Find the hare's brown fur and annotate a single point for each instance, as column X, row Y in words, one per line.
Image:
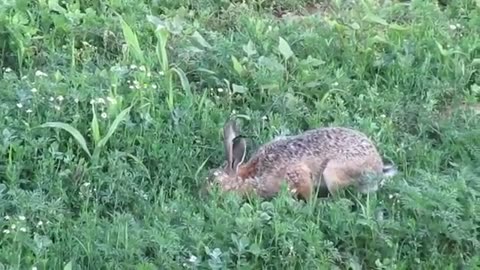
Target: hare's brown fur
column 333, row 157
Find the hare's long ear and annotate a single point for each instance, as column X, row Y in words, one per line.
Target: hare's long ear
column 230, row 131
column 239, row 152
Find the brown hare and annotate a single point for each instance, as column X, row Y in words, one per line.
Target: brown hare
column 331, row 157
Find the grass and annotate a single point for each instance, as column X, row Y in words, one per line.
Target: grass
column 112, row 111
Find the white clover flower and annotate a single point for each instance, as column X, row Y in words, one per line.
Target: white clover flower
column 133, row 66
column 453, row 27
column 57, row 107
column 7, row 217
column 40, row 223
column 51, row 99
column 60, row 98
column 192, row 259
column 142, row 68
column 34, row 90
column 6, row 231
column 220, row 90
column 104, row 115
column 39, row 73
column 21, row 217
column 154, row 86
column 13, row 227
column 23, row 229
column 76, row 100
column 7, row 70
column 161, row 73
column 19, row 105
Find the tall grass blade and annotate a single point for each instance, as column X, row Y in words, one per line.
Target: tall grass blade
column 70, row 129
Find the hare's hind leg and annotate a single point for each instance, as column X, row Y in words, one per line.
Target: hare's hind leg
column 340, row 174
column 300, row 180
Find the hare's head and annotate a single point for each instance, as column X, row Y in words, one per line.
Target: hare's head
column 235, row 150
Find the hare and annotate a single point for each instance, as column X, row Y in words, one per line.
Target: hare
column 331, row 157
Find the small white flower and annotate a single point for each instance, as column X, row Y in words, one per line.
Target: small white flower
column 23, row 229
column 29, row 111
column 133, row 66
column 7, row 217
column 453, row 27
column 33, row 90
column 76, row 100
column 60, row 98
column 86, row 184
column 264, row 117
column 220, row 90
column 192, row 259
column 104, row 115
column 92, row 101
column 40, row 223
column 34, row 268
column 57, row 107
column 149, row 74
column 161, row 73
column 7, row 70
column 142, row 68
column 51, row 99
column 154, row 86
column 130, row 86
column 335, row 84
column 13, row 226
column 21, row 217
column 100, row 100
column 19, row 105
column 6, row 231
column 39, row 73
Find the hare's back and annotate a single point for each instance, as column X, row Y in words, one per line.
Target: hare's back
column 339, row 141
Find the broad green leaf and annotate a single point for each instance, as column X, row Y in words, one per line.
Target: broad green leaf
column 53, row 5
column 249, row 49
column 70, row 129
column 237, row 66
column 132, row 41
column 375, row 19
column 120, row 117
column 239, row 89
column 284, row 48
column 68, row 266
column 183, row 80
column 95, row 127
column 199, row 38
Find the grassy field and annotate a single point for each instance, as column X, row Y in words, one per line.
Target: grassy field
column 111, row 116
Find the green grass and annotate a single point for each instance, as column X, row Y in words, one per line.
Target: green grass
column 145, row 87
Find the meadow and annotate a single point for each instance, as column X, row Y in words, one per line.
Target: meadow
column 112, row 114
